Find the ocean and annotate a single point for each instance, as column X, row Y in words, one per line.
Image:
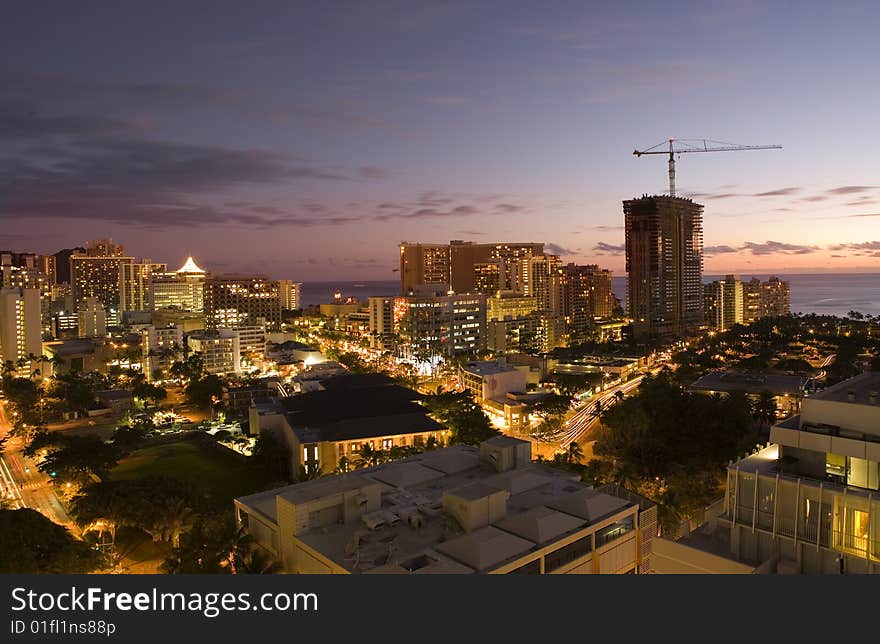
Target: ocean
column 825, row 294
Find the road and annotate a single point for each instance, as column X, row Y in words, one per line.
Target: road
column 23, row 485
column 583, row 420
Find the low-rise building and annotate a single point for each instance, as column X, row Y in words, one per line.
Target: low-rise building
column 487, row 379
column 341, row 416
column 459, row 510
column 788, row 390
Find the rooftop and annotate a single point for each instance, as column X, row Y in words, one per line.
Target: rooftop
column 355, row 406
column 487, row 367
column 543, row 505
column 778, row 385
column 856, row 390
column 189, row 266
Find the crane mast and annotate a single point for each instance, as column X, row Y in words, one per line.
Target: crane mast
column 679, row 146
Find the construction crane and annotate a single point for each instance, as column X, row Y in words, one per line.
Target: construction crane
column 679, row 146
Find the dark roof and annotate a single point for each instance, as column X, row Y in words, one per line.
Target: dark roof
column 114, row 394
column 778, row 385
column 356, row 406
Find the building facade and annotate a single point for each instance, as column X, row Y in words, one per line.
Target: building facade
column 239, row 300
column 21, row 331
column 724, row 303
column 220, row 350
column 291, row 295
column 664, row 264
column 91, row 319
column 134, row 284
column 160, row 347
column 95, row 275
column 810, row 501
column 431, row 326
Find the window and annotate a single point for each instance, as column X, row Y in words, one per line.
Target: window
column 614, row 531
column 242, row 518
column 354, row 447
column 835, row 465
column 861, row 473
column 531, row 568
column 567, row 554
column 387, row 443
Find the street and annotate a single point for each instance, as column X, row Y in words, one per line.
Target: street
column 23, row 485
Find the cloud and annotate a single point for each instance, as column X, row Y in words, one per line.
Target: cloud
column 848, row 190
column 778, row 248
column 372, row 172
column 779, row 192
column 814, row 198
column 555, row 249
column 870, row 214
column 610, row 249
column 509, row 208
column 469, row 232
column 718, row 250
column 857, row 246
column 605, row 229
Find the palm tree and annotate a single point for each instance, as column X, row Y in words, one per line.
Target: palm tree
column 176, row 518
column 575, row 452
column 597, row 410
column 256, row 561
column 764, row 408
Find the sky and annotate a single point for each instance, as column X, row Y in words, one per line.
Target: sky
column 305, row 140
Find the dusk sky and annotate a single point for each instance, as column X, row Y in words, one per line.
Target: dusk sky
column 306, row 139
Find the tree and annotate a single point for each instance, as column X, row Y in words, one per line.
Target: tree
column 203, row 391
column 462, row 415
column 189, row 369
column 551, row 405
column 32, row 544
column 149, row 391
column 274, row 455
column 575, row 452
column 764, row 408
column 79, row 458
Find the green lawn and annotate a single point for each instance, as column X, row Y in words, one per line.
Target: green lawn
column 219, row 476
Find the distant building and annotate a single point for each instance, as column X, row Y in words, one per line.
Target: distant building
column 160, row 347
column 788, row 390
column 96, row 273
column 723, row 303
column 585, row 296
column 765, row 299
column 220, row 350
column 664, row 264
column 454, row 266
column 459, row 510
column 809, row 502
column 134, row 284
column 532, row 333
column 382, row 335
column 91, row 319
column 185, row 320
column 540, row 278
column 435, row 325
column 238, row 300
column 182, row 289
column 290, row 292
column 20, row 328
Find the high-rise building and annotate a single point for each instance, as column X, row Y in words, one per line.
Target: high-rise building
column 239, row 300
column 91, row 319
column 453, row 265
column 584, row 295
column 509, row 305
column 220, row 349
column 435, row 325
column 134, row 284
column 810, row 501
column 723, row 303
column 160, row 347
column 381, row 323
column 765, row 299
column 540, row 278
column 422, row 264
column 183, row 289
column 21, row 333
column 291, row 298
column 664, row 264
column 96, row 272
column 775, row 298
column 488, row 278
